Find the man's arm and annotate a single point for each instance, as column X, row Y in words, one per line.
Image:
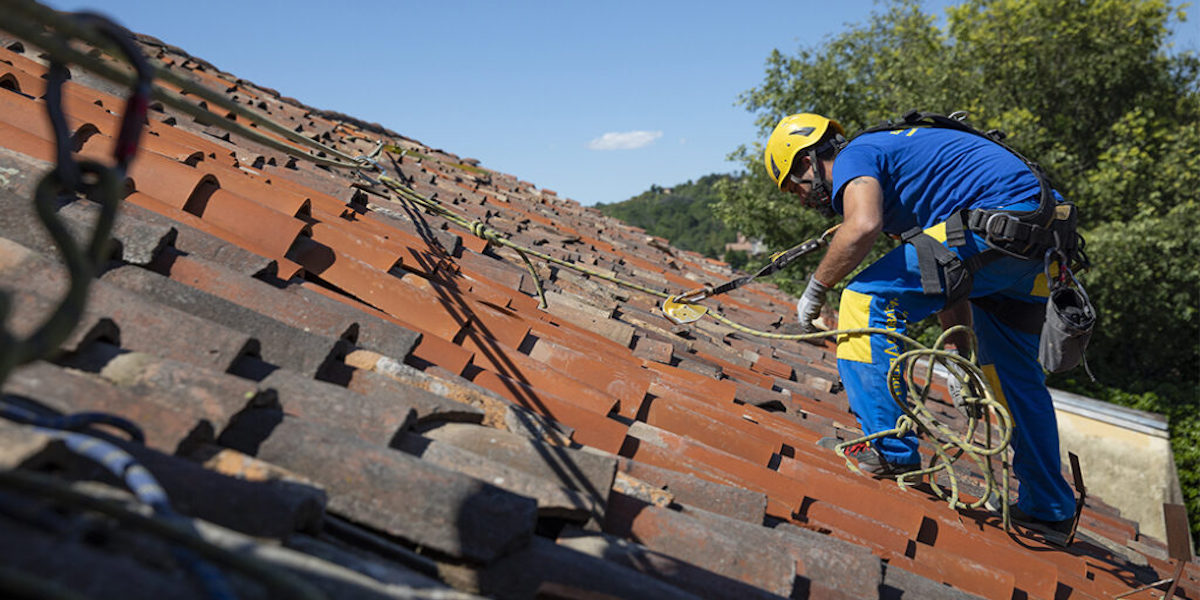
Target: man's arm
column 862, row 201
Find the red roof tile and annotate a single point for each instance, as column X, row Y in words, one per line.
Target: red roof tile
column 279, row 265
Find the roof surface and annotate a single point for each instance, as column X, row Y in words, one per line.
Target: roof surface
column 354, row 390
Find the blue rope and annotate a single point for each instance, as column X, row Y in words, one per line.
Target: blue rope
column 148, row 491
column 126, row 468
column 73, row 422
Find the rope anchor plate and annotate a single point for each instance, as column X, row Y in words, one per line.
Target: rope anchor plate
column 682, row 313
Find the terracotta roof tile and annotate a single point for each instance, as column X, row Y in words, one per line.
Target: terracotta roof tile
column 26, row 114
column 286, row 326
column 590, row 473
column 19, row 140
column 671, row 570
column 537, row 377
column 441, row 315
column 279, row 344
column 308, row 311
column 400, row 494
column 66, row 391
column 553, row 499
column 679, row 419
column 119, row 315
column 431, row 347
column 705, row 545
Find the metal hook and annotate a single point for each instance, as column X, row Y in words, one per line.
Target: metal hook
column 68, row 170
column 372, row 162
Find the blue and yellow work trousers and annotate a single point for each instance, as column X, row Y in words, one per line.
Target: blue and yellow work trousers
column 888, row 294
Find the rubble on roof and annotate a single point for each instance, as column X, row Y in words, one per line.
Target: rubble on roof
column 356, row 392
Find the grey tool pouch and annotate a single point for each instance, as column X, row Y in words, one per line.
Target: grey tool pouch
column 1070, row 317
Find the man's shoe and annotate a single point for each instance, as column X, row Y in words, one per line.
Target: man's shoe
column 869, row 461
column 1058, row 533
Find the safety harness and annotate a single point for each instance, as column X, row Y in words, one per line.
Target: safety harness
column 1027, row 235
column 1047, row 233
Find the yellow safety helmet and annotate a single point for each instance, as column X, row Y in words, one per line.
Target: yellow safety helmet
column 793, row 134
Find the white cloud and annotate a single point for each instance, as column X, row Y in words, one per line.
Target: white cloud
column 628, row 140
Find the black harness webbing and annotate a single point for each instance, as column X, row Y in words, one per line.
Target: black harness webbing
column 1021, row 234
column 1010, row 221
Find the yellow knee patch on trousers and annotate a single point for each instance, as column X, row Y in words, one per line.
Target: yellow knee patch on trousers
column 854, row 313
column 993, row 381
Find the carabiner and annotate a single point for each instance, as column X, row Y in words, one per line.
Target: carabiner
column 681, row 311
column 365, row 160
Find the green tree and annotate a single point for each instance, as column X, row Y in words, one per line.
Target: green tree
column 1090, row 90
column 681, row 214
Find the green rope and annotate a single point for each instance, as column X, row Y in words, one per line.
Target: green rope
column 26, row 19
column 482, row 231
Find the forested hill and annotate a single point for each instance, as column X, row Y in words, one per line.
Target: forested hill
column 681, row 214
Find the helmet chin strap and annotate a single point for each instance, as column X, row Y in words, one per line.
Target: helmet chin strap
column 820, row 191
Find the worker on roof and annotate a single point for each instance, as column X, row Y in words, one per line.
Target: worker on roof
column 916, row 182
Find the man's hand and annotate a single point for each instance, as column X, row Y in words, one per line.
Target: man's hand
column 809, row 306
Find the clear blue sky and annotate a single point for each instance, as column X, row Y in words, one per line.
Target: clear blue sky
column 596, row 100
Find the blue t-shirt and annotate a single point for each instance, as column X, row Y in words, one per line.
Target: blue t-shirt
column 929, row 173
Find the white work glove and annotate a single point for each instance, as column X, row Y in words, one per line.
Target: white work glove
column 809, row 306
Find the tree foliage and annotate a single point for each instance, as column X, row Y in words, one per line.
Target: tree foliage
column 681, row 214
column 1091, row 91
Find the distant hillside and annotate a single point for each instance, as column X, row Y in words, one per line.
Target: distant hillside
column 681, row 214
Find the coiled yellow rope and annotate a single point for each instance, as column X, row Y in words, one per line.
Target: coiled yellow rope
column 28, row 20
column 948, row 445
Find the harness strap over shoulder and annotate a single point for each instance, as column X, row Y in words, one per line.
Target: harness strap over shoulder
column 1023, row 234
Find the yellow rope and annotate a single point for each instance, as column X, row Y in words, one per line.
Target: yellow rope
column 916, row 418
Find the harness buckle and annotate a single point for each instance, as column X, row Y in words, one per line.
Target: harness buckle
column 996, row 228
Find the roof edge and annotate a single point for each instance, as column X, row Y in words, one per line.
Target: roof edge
column 1135, row 420
column 1139, row 421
